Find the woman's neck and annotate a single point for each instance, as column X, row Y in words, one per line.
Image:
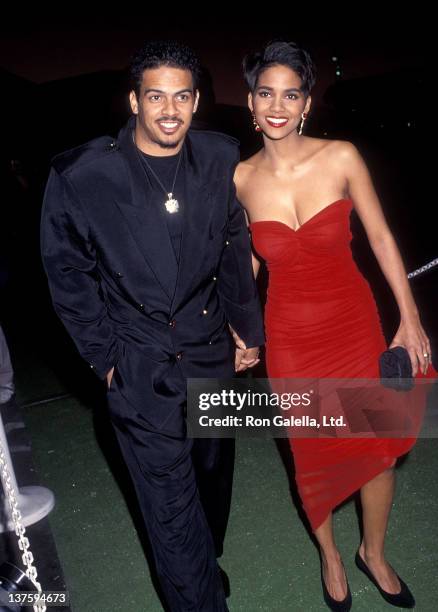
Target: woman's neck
column 284, row 152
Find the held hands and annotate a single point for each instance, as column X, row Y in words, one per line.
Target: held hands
column 109, row 377
column 412, row 337
column 245, row 357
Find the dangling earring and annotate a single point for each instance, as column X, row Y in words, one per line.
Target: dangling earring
column 303, row 118
column 254, row 121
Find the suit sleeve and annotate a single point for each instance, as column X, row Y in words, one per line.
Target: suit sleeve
column 70, row 262
column 236, row 284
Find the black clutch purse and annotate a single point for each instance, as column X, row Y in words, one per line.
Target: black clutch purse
column 396, row 369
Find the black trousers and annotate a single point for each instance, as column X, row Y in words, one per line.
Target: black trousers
column 213, row 460
column 185, row 521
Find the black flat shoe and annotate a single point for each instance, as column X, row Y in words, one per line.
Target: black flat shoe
column 404, row 599
column 336, row 605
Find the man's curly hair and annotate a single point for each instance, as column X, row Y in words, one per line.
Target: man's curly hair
column 163, row 53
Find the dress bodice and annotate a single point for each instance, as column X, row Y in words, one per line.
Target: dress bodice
column 315, row 257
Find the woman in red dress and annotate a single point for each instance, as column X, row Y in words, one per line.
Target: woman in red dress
column 321, row 318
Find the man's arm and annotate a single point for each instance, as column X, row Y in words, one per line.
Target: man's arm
column 69, row 260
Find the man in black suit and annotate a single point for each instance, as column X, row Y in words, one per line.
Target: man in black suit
column 148, row 259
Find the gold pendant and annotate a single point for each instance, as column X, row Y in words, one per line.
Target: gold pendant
column 171, row 205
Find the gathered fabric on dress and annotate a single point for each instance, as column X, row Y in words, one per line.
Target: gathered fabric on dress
column 321, row 321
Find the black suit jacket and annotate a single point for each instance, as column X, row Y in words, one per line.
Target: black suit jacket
column 113, row 275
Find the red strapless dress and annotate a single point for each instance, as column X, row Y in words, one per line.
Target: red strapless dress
column 322, row 321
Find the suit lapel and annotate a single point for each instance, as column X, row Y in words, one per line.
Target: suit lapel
column 197, row 212
column 147, row 225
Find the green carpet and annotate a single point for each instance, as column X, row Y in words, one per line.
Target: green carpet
column 272, row 564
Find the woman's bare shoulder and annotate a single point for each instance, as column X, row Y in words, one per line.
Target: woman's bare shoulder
column 342, row 150
column 245, row 168
column 327, row 149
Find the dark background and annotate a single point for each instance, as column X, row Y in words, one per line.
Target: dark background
column 64, row 83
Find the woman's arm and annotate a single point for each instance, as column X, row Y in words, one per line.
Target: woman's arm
column 238, row 184
column 255, row 265
column 410, row 333
column 254, row 260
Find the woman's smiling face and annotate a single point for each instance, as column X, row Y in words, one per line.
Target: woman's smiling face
column 278, row 101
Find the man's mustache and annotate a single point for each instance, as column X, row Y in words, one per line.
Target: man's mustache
column 170, row 119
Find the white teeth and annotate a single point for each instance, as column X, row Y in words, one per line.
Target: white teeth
column 275, row 120
column 169, row 126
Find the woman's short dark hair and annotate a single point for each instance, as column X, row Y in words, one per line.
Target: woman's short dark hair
column 159, row 53
column 284, row 54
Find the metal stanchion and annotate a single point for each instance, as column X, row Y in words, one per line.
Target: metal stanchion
column 34, row 502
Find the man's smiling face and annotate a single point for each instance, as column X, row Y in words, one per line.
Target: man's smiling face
column 164, row 108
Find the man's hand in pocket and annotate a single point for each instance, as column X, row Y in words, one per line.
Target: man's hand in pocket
column 109, row 377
